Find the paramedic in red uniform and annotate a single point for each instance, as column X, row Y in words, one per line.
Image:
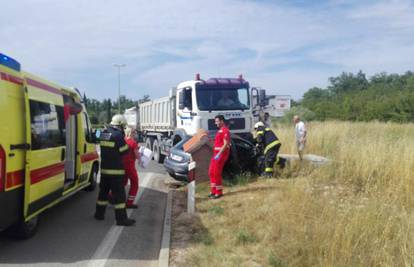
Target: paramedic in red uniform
column 221, row 152
column 129, row 165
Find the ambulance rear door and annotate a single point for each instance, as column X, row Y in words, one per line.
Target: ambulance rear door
column 46, row 134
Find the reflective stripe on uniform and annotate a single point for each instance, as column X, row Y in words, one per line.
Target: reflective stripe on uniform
column 271, row 145
column 120, row 206
column 107, row 143
column 112, row 172
column 277, row 160
column 217, row 148
column 269, row 170
column 260, row 132
column 123, row 148
column 102, row 203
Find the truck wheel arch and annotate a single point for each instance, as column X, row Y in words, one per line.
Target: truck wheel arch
column 178, row 135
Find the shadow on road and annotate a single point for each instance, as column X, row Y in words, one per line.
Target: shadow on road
column 69, row 234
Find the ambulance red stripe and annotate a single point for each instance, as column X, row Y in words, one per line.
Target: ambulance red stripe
column 89, row 156
column 11, row 78
column 44, row 173
column 43, row 86
column 14, row 178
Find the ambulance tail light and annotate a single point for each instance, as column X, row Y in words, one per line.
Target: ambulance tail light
column 2, row 168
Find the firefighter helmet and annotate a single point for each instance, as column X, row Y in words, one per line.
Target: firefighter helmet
column 118, row 120
column 258, row 124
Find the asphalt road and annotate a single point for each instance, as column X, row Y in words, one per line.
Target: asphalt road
column 69, row 235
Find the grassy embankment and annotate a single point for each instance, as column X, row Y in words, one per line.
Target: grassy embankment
column 356, row 211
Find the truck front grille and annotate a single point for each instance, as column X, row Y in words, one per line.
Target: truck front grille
column 233, row 124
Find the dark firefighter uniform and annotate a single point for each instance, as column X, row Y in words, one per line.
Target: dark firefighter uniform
column 113, row 147
column 269, row 144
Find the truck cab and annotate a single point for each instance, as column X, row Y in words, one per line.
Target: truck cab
column 199, row 101
column 192, row 105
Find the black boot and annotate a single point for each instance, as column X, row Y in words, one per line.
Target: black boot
column 122, row 218
column 100, row 212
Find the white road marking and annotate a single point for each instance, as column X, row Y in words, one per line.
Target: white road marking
column 100, row 257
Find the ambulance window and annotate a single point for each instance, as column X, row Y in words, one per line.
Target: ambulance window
column 85, row 123
column 47, row 125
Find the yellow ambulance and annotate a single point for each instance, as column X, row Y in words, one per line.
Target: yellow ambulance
column 47, row 149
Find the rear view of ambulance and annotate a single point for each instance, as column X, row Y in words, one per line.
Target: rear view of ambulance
column 47, row 149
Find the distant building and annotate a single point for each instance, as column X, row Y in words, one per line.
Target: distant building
column 278, row 105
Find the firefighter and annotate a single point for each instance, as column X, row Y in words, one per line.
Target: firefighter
column 113, row 147
column 269, row 145
column 221, row 152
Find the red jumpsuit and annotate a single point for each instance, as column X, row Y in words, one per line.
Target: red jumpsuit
column 216, row 166
column 130, row 170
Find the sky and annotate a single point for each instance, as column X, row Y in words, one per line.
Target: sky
column 283, row 46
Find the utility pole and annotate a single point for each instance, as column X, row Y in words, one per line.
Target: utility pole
column 119, row 66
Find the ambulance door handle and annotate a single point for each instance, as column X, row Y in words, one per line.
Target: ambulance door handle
column 62, row 154
column 20, row 146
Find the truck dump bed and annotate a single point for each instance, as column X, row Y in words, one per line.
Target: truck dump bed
column 157, row 115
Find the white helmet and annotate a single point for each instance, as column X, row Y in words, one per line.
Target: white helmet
column 118, row 120
column 258, row 124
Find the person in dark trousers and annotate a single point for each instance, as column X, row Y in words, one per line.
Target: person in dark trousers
column 113, row 148
column 269, row 145
column 221, row 152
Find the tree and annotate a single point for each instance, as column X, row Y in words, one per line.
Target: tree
column 384, row 97
column 144, row 99
column 101, row 112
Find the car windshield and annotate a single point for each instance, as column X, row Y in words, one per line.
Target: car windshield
column 223, row 98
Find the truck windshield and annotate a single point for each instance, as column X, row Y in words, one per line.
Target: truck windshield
column 223, row 98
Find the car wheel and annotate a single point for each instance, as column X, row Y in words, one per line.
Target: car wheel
column 158, row 157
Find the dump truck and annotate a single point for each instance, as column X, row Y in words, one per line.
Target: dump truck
column 192, row 105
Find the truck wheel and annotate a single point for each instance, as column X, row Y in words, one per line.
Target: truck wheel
column 92, row 179
column 148, row 143
column 24, row 230
column 158, row 157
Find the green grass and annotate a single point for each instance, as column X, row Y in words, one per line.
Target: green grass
column 244, row 237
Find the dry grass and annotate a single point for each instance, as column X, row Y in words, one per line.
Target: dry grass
column 356, row 211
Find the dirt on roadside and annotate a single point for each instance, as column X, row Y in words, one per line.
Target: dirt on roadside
column 181, row 234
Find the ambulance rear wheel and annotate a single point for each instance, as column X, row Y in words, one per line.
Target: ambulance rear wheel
column 24, row 230
column 92, row 179
column 158, row 157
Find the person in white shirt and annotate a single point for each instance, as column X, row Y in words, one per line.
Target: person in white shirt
column 300, row 134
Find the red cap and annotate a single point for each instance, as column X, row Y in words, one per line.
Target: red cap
column 197, row 77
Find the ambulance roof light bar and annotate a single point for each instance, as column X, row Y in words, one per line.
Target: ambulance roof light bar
column 9, row 62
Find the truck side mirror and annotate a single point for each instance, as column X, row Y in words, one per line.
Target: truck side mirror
column 181, row 100
column 262, row 97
